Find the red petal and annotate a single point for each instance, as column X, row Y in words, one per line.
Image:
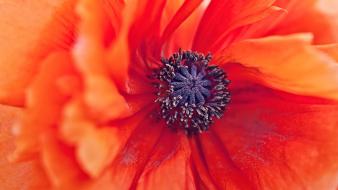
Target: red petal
column 233, row 14
column 130, row 163
column 143, row 38
column 202, row 176
column 171, row 158
column 222, row 169
column 181, row 15
column 281, row 141
column 182, row 36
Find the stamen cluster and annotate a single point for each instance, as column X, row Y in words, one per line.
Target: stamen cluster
column 191, row 93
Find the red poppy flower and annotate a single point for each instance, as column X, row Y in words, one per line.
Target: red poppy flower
column 102, row 110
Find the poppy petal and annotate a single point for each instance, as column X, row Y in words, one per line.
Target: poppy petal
column 101, row 94
column 59, row 165
column 95, row 147
column 169, row 11
column 181, row 15
column 113, row 9
column 268, row 19
column 181, row 36
column 288, row 63
column 17, row 35
column 44, row 103
column 245, row 26
column 219, row 165
column 143, row 37
column 27, row 175
column 132, row 159
column 59, row 33
column 172, row 152
column 237, row 14
column 331, row 50
column 203, row 178
column 123, row 51
column 309, row 16
column 141, row 31
column 286, row 134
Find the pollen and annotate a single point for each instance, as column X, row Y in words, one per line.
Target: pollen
column 190, row 92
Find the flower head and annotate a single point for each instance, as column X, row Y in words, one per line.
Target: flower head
column 136, row 95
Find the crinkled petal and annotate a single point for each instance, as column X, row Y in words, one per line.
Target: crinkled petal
column 59, row 162
column 203, row 178
column 123, row 51
column 129, row 164
column 181, row 15
column 97, row 149
column 101, row 93
column 183, row 34
column 267, row 20
column 294, row 136
column 233, row 14
column 95, row 146
column 27, row 175
column 309, row 16
column 287, row 63
column 250, row 27
column 224, row 172
column 18, row 35
column 330, row 49
column 44, row 103
column 170, row 158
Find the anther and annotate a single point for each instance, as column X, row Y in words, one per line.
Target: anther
column 191, row 93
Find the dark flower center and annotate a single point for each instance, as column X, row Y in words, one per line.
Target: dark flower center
column 191, row 93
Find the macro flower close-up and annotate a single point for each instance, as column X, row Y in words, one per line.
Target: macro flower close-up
column 156, row 95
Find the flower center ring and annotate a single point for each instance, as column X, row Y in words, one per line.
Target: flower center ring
column 191, row 93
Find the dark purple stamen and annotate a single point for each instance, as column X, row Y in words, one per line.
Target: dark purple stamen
column 190, row 92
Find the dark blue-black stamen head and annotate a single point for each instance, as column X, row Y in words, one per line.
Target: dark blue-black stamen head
column 191, row 93
column 190, row 85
